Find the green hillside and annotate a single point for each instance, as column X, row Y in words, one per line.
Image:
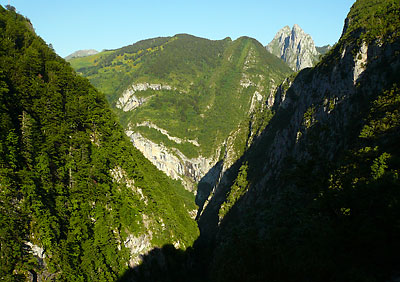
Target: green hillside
column 77, row 201
column 203, row 98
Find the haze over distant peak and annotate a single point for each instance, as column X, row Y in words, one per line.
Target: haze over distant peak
column 81, row 53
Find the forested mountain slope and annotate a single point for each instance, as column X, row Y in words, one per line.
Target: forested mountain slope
column 316, row 198
column 188, row 103
column 77, row 201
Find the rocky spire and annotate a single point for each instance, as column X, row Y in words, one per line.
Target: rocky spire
column 295, row 47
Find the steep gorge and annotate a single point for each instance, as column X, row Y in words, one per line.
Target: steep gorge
column 318, row 191
column 299, row 182
column 316, row 196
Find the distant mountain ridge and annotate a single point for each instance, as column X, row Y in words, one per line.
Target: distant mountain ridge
column 323, row 49
column 295, row 47
column 185, row 101
column 81, row 54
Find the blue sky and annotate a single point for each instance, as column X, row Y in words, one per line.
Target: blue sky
column 89, row 24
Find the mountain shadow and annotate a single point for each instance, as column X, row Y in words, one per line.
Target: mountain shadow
column 167, row 264
column 314, row 206
column 317, row 196
column 206, row 186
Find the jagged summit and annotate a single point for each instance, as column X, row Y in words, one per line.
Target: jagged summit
column 295, row 47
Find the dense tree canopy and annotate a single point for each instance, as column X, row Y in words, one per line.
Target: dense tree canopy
column 71, row 184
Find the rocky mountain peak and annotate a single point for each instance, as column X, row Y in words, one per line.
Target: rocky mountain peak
column 81, row 54
column 284, row 32
column 297, row 28
column 295, row 47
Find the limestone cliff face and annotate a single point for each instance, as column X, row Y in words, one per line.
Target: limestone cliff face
column 129, row 101
column 295, row 47
column 188, row 170
column 172, row 161
column 141, row 243
column 314, row 98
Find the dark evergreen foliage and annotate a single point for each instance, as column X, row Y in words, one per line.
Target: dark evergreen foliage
column 59, row 147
